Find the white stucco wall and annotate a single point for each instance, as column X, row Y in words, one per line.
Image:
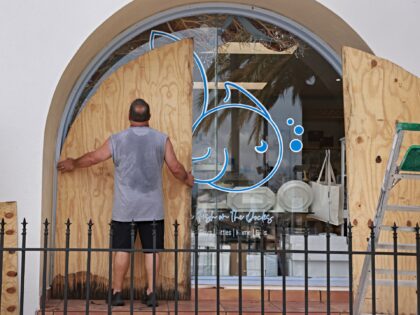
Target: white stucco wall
column 391, row 28
column 39, row 38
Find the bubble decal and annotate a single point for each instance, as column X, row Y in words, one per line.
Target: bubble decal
column 296, row 145
column 290, row 121
column 298, row 130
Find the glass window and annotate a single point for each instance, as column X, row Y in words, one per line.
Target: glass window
column 284, row 109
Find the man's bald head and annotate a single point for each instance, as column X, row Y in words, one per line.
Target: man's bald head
column 139, row 111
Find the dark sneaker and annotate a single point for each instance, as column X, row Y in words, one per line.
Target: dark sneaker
column 117, row 299
column 148, row 300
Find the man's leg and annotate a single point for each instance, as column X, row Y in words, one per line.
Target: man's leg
column 121, row 264
column 149, row 270
column 146, row 236
column 121, row 241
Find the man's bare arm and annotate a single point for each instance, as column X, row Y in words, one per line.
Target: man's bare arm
column 176, row 168
column 91, row 158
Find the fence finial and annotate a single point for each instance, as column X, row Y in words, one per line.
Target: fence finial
column 46, row 224
column 195, row 226
column 68, row 223
column 176, row 225
column 394, row 228
column 154, row 227
column 306, row 228
column 372, row 230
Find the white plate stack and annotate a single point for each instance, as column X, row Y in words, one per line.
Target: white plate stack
column 294, row 196
column 259, row 199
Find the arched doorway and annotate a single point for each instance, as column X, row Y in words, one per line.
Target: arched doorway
column 60, row 119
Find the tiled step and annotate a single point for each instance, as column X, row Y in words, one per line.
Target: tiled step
column 229, row 304
column 77, row 307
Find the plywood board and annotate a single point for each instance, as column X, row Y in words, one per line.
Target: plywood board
column 252, row 49
column 377, row 94
column 221, row 85
column 10, row 292
column 163, row 77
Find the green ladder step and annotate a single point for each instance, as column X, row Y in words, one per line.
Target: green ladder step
column 408, row 126
column 411, row 159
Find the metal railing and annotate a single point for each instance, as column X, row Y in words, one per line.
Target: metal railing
column 281, row 252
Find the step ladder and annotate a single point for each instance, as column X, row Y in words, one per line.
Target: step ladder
column 409, row 168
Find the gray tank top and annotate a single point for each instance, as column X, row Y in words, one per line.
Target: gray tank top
column 138, row 154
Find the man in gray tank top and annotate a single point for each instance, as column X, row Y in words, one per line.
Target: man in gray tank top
column 138, row 154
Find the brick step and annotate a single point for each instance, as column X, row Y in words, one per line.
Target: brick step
column 77, row 307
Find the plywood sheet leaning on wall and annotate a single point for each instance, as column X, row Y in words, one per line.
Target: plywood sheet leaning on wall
column 163, row 77
column 377, row 94
column 9, row 294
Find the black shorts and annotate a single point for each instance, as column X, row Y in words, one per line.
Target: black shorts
column 121, row 234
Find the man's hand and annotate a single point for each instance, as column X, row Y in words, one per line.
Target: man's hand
column 68, row 165
column 190, row 180
column 176, row 168
column 91, row 158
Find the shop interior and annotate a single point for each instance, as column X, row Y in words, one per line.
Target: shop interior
column 291, row 80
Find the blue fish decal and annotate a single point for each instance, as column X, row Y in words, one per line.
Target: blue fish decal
column 259, row 109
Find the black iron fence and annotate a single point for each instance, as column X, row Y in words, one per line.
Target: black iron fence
column 282, row 252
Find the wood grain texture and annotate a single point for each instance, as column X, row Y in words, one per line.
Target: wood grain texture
column 163, row 77
column 377, row 94
column 10, row 292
